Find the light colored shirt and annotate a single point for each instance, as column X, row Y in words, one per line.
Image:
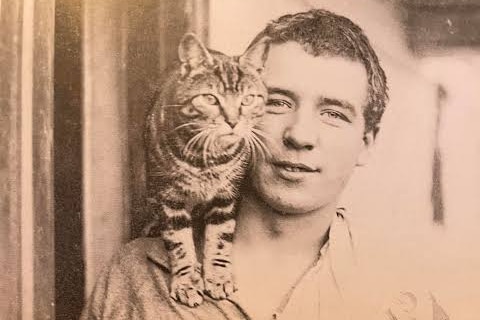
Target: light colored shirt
column 135, row 286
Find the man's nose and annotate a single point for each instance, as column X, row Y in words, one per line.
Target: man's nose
column 300, row 134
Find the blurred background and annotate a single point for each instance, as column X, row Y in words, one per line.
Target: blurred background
column 76, row 79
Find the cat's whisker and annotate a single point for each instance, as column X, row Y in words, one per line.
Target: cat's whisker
column 188, row 124
column 260, row 146
column 266, row 154
column 262, row 134
column 190, row 153
column 215, row 148
column 171, row 105
column 259, row 136
column 255, row 129
column 187, row 153
column 253, row 152
column 204, row 150
column 249, row 146
column 253, row 155
column 215, row 145
column 200, row 144
column 212, row 148
column 194, row 130
column 192, row 143
column 208, row 142
column 258, row 151
column 259, row 123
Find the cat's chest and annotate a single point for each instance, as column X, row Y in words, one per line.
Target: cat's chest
column 205, row 183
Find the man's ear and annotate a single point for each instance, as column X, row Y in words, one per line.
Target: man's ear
column 256, row 54
column 192, row 53
column 364, row 156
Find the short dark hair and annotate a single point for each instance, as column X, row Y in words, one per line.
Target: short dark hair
column 322, row 32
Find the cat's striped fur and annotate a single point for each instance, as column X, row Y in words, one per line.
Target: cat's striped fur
column 201, row 135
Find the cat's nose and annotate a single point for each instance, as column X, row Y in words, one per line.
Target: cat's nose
column 231, row 122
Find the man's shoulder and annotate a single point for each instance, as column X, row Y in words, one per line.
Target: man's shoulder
column 128, row 283
column 135, row 286
column 141, row 252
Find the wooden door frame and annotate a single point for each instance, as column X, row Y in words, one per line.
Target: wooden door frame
column 27, row 43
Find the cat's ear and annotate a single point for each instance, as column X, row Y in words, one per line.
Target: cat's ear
column 192, row 52
column 256, row 54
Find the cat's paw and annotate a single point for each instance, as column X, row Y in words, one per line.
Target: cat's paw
column 187, row 289
column 218, row 282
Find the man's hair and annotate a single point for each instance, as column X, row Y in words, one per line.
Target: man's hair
column 321, row 32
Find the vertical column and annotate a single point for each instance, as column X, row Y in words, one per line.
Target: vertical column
column 105, row 156
column 27, row 29
column 37, row 160
column 198, row 17
column 69, row 267
column 10, row 158
column 143, row 68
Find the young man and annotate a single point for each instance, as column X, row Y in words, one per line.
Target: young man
column 292, row 252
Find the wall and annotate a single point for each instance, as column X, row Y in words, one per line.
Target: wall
column 457, row 70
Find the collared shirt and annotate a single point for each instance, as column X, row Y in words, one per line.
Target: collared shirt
column 135, row 286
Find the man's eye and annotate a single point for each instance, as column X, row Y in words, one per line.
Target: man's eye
column 278, row 106
column 334, row 116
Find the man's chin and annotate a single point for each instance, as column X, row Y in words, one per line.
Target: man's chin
column 292, row 207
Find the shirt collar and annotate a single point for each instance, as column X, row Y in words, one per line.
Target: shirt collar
column 340, row 240
column 157, row 254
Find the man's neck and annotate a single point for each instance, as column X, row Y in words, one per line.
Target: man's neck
column 272, row 250
column 263, row 230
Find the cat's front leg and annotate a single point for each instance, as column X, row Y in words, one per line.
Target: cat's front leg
column 186, row 282
column 217, row 264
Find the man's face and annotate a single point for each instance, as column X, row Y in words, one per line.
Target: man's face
column 315, row 126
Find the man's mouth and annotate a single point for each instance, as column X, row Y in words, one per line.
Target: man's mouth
column 294, row 167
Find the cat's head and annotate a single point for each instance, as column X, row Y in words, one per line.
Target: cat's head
column 220, row 99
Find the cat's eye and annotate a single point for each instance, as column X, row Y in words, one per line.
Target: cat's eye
column 248, row 100
column 203, row 100
column 209, row 99
column 190, row 111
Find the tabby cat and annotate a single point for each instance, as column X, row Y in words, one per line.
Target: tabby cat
column 201, row 134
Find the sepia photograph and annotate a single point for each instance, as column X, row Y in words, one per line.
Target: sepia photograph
column 240, row 159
